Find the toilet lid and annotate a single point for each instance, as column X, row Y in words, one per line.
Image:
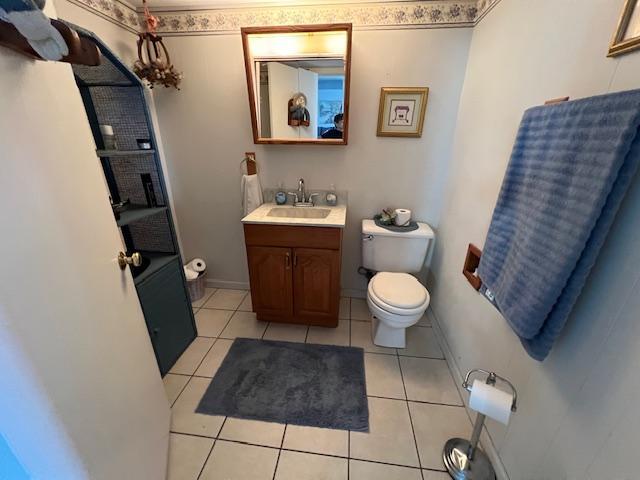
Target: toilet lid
column 399, row 290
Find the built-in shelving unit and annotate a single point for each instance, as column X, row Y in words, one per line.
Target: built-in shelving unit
column 124, row 153
column 158, row 262
column 137, row 212
column 113, row 95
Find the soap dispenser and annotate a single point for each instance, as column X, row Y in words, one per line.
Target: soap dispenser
column 332, row 198
column 281, row 195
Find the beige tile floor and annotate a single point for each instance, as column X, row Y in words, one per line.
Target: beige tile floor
column 414, row 406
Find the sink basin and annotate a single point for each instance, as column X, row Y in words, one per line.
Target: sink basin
column 299, row 212
column 320, row 216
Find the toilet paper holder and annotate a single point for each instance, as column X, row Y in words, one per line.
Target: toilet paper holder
column 491, row 380
column 463, row 459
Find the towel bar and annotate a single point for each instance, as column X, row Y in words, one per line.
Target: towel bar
column 553, row 101
column 471, row 263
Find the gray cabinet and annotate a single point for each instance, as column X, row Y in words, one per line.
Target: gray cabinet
column 167, row 312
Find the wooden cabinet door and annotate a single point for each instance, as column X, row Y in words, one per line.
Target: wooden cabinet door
column 316, row 285
column 270, row 274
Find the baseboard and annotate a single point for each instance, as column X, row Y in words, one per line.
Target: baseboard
column 215, row 283
column 485, row 439
column 352, row 292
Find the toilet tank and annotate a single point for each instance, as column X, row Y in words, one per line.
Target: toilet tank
column 388, row 251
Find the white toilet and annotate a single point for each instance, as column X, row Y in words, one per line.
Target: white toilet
column 396, row 299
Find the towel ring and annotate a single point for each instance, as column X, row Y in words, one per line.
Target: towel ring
column 250, row 160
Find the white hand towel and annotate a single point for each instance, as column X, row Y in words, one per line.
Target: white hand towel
column 251, row 193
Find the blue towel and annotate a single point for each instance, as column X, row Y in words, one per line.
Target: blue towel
column 570, row 167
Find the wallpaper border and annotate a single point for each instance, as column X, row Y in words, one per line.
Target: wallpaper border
column 417, row 14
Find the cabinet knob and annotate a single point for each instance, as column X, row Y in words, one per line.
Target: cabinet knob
column 287, row 259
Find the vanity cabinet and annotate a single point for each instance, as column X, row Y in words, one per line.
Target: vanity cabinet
column 294, row 273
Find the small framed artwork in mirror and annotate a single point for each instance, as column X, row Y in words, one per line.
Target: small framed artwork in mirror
column 298, row 83
column 627, row 35
column 401, row 112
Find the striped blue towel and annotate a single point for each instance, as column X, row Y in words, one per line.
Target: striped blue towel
column 570, row 167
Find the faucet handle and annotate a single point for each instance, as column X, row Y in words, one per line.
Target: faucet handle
column 295, row 194
column 311, row 197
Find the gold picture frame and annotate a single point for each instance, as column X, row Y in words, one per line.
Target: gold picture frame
column 401, row 111
column 627, row 35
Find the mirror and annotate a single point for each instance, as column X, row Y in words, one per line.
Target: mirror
column 298, row 82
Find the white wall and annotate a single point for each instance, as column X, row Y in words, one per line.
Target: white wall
column 283, row 83
column 577, row 418
column 206, row 130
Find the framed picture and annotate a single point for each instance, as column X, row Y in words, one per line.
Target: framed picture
column 401, row 112
column 627, row 35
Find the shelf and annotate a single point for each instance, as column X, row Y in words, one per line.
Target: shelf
column 123, row 153
column 158, row 261
column 136, row 212
column 106, row 84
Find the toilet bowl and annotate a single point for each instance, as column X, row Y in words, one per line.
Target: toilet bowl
column 396, row 302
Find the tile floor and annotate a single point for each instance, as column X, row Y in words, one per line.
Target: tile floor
column 414, row 406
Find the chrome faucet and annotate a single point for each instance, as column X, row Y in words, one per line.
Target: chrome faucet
column 301, row 199
column 301, row 190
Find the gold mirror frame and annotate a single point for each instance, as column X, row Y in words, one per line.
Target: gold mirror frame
column 248, row 65
column 618, row 44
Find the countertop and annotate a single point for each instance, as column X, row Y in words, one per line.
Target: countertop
column 336, row 218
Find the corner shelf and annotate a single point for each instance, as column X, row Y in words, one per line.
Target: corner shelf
column 158, row 261
column 124, row 153
column 136, row 212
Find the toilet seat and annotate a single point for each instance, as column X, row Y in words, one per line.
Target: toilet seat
column 396, row 302
column 398, row 293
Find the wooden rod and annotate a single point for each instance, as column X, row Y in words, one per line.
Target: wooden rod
column 82, row 51
column 556, row 100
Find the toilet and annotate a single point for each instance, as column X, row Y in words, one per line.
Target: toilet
column 396, row 299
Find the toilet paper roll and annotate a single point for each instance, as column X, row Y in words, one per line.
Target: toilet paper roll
column 106, row 129
column 490, row 401
column 403, row 217
column 197, row 265
column 190, row 274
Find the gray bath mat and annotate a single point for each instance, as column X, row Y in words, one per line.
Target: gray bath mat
column 285, row 382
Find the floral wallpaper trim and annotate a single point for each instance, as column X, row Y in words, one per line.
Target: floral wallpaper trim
column 462, row 13
column 116, row 11
column 484, row 7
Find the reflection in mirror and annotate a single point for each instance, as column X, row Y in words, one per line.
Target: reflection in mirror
column 301, row 98
column 298, row 83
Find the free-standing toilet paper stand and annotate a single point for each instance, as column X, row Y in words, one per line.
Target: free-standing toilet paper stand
column 463, row 459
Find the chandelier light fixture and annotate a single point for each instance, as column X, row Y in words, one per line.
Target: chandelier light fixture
column 154, row 64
